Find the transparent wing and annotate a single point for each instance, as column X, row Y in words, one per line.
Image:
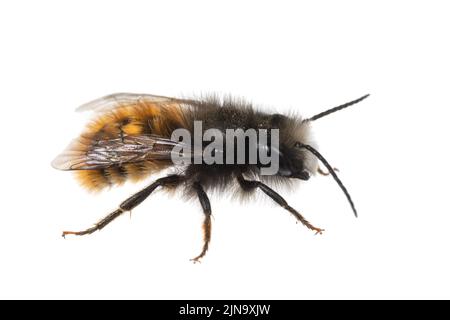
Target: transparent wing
column 116, row 100
column 84, row 154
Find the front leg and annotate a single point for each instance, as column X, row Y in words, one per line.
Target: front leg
column 326, row 173
column 247, row 185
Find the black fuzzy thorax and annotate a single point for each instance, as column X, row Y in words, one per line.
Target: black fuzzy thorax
column 238, row 114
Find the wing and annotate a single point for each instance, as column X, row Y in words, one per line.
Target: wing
column 83, row 154
column 116, row 100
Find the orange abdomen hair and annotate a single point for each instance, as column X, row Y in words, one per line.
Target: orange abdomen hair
column 134, row 119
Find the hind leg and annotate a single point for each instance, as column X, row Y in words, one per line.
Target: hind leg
column 129, row 204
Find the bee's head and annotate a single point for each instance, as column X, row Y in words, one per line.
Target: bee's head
column 298, row 155
column 295, row 162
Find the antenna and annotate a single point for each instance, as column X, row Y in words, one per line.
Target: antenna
column 338, row 108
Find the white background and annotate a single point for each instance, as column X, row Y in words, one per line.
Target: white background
column 392, row 149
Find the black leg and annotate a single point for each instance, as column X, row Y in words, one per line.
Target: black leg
column 204, row 201
column 129, row 204
column 252, row 184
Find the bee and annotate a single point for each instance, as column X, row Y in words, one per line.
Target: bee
column 131, row 137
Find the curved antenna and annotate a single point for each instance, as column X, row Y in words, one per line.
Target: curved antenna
column 330, row 170
column 332, row 110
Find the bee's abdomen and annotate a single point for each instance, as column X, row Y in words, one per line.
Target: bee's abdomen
column 98, row 179
column 143, row 118
column 133, row 120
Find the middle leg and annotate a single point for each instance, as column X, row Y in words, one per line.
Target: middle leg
column 206, row 206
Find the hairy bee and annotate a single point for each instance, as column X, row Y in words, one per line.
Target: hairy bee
column 132, row 136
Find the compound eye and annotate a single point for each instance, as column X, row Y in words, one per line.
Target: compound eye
column 303, row 175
